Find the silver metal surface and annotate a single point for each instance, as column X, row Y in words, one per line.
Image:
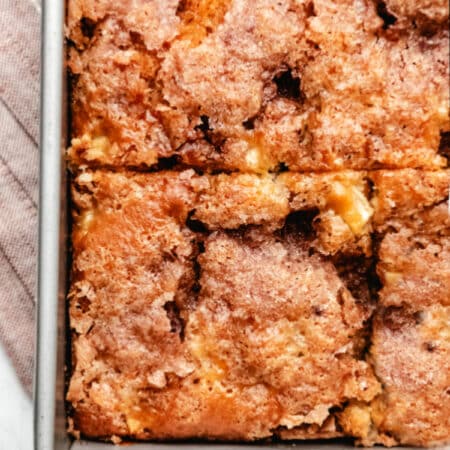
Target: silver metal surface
column 50, row 420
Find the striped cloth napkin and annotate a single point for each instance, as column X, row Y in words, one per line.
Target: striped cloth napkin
column 19, row 159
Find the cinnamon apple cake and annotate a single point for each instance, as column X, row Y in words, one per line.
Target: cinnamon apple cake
column 261, row 229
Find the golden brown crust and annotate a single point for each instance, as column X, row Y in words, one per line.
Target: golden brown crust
column 250, row 86
column 410, row 346
column 296, row 284
column 411, row 197
column 160, row 353
column 247, row 332
column 411, row 355
column 424, row 13
column 232, row 201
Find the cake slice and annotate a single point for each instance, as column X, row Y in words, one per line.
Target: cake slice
column 133, row 266
column 256, row 86
column 410, row 342
column 192, row 318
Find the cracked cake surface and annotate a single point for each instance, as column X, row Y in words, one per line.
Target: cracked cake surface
column 260, row 220
column 225, row 334
column 239, row 85
column 185, row 329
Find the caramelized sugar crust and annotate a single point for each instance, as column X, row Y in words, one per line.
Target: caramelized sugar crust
column 261, row 235
column 239, row 319
column 249, row 86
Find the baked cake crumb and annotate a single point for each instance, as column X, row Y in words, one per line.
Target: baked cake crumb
column 240, row 85
column 261, row 227
column 242, row 332
column 194, row 317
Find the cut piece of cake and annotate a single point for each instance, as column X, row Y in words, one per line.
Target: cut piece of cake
column 410, row 344
column 261, row 228
column 411, row 356
column 342, row 203
column 133, row 266
column 259, row 85
column 181, row 332
column 230, row 307
column 276, row 333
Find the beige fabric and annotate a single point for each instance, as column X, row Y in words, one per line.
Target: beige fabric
column 19, row 158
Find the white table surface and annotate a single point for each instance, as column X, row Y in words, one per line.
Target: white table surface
column 16, row 411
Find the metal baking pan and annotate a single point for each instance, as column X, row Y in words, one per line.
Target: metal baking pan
column 50, row 414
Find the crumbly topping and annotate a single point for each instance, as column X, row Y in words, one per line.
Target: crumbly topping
column 261, row 233
column 251, row 86
column 191, row 292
